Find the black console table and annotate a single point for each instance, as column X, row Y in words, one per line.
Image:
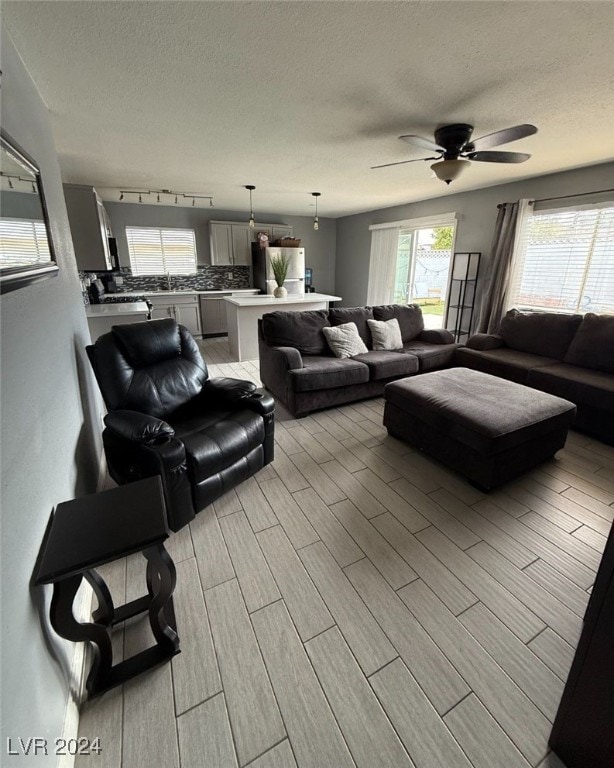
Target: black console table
column 87, row 532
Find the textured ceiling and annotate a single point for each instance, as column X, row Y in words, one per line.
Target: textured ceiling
column 297, row 97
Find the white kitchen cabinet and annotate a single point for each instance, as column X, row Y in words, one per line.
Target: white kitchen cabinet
column 231, row 241
column 184, row 309
column 221, row 243
column 90, row 228
column 241, row 245
column 281, row 231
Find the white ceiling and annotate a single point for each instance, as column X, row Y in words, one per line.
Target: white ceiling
column 297, row 97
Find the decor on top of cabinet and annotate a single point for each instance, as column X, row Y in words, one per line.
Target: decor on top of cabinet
column 279, row 265
column 27, row 253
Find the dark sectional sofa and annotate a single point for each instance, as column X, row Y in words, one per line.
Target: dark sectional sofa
column 297, row 366
column 571, row 356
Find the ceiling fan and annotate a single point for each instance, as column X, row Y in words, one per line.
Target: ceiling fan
column 455, row 149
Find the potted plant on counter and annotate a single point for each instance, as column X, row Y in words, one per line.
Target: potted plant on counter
column 279, row 265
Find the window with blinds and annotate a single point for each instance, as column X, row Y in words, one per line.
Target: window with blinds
column 565, row 261
column 158, row 251
column 23, row 242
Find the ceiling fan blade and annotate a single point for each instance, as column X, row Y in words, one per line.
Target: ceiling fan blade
column 402, row 162
column 498, row 157
column 420, row 141
column 504, row 136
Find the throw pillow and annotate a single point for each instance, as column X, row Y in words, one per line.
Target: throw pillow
column 409, row 316
column 386, row 334
column 344, row 340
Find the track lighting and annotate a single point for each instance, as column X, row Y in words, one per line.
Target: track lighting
column 11, row 178
column 160, row 193
column 316, row 221
column 251, row 222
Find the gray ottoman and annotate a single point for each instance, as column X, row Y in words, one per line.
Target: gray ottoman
column 486, row 428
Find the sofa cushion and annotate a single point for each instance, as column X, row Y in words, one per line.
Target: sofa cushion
column 431, row 356
column 593, row 345
column 217, row 439
column 385, row 365
column 580, row 385
column 301, row 330
column 344, row 340
column 386, row 334
column 357, row 315
column 540, row 333
column 507, row 363
column 409, row 316
column 326, row 373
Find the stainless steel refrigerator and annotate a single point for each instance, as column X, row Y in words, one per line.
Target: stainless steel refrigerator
column 263, row 272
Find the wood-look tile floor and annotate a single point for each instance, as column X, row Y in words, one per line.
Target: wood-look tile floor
column 357, row 604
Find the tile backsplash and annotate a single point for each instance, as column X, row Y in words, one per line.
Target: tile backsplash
column 207, row 278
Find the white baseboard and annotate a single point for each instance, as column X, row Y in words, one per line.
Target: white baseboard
column 82, row 611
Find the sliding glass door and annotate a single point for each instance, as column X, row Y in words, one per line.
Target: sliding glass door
column 422, row 270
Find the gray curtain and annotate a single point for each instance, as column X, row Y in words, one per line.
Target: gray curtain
column 498, row 277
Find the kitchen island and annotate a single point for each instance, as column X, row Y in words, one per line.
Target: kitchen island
column 243, row 314
column 102, row 317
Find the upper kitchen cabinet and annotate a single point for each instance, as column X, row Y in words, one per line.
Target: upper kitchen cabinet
column 90, row 228
column 231, row 242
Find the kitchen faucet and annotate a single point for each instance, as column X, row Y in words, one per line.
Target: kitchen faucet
column 168, row 280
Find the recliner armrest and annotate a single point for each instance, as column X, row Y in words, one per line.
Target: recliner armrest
column 260, row 402
column 139, row 427
column 437, row 336
column 485, row 341
column 228, row 390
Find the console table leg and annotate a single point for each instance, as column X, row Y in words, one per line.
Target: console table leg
column 161, row 579
column 65, row 624
column 105, row 612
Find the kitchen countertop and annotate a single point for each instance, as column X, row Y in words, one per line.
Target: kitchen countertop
column 125, row 308
column 181, row 292
column 269, row 300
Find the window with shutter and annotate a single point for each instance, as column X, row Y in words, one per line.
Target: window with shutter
column 158, row 251
column 565, row 261
column 23, row 242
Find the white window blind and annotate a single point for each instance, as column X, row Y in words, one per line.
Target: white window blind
column 158, row 251
column 565, row 261
column 23, row 242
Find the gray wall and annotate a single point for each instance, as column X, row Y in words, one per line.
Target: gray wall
column 319, row 246
column 50, row 447
column 477, row 211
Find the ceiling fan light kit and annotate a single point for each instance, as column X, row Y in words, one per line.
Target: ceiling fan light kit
column 449, row 170
column 455, row 148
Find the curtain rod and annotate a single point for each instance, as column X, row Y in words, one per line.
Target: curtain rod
column 565, row 197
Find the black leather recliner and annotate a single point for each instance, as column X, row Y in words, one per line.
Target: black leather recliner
column 167, row 417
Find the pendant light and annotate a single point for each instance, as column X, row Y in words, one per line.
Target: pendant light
column 251, row 222
column 316, row 221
